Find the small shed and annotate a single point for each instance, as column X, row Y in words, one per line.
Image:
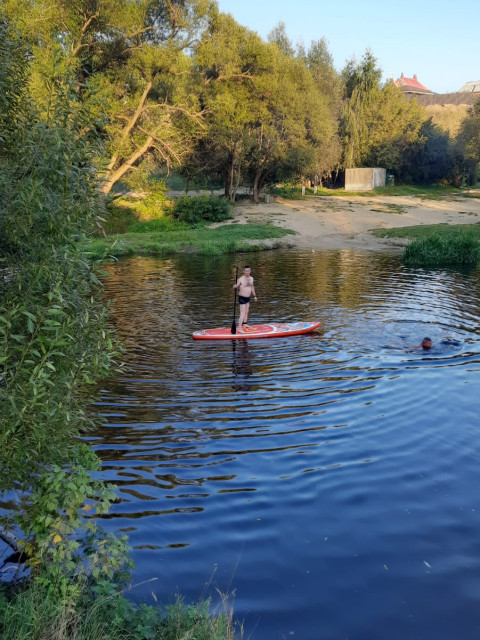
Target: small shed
column 364, row 179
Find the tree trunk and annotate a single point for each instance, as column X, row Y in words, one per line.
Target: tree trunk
column 229, row 175
column 131, row 124
column 122, row 169
column 256, row 187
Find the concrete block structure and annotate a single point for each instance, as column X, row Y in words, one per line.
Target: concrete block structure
column 364, row 179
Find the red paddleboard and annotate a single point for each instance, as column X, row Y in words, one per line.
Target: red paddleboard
column 271, row 330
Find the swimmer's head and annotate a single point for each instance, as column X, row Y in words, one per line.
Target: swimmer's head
column 427, row 343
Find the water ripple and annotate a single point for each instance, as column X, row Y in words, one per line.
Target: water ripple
column 328, row 479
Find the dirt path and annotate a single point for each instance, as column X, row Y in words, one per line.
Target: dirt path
column 343, row 222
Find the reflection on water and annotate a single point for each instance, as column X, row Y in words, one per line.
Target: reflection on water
column 329, row 479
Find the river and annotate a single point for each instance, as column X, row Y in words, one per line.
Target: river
column 326, row 483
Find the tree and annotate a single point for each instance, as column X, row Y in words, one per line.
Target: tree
column 431, row 158
column 361, row 88
column 278, row 35
column 379, row 126
column 267, row 120
column 319, row 61
column 328, row 82
column 293, row 127
column 136, row 55
column 234, row 63
column 393, row 125
column 468, row 142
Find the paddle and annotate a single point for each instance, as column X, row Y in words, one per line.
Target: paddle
column 234, row 325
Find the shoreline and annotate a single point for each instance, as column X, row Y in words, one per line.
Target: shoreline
column 315, row 223
column 347, row 222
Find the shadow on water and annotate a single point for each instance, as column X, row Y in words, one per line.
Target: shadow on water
column 329, row 480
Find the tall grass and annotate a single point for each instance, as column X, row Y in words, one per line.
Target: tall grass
column 443, row 250
column 34, row 614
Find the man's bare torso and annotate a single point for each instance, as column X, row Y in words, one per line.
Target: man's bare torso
column 245, row 284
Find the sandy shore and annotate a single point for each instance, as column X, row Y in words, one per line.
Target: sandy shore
column 345, row 222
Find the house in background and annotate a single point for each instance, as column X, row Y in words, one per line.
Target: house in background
column 471, row 87
column 413, row 89
column 412, row 86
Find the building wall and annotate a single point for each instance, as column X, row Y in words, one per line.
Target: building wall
column 364, row 179
column 445, row 98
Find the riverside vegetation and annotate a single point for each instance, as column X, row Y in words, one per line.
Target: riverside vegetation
column 438, row 245
column 62, row 576
column 182, row 227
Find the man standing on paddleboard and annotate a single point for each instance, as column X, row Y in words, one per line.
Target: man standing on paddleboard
column 246, row 289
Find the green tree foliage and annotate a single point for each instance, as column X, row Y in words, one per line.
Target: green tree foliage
column 53, row 340
column 267, row 119
column 328, row 83
column 295, row 127
column 233, row 62
column 157, row 112
column 380, row 127
column 393, row 125
column 468, row 142
column 361, row 88
column 431, row 158
column 135, row 54
column 278, row 35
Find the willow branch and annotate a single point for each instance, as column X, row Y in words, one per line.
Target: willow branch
column 173, row 154
column 83, row 30
column 170, row 107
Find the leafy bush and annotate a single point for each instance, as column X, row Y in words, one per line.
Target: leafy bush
column 195, row 209
column 446, row 249
column 117, row 219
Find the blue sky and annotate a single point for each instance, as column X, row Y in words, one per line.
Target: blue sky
column 437, row 41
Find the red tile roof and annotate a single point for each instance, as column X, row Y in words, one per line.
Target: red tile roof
column 411, row 84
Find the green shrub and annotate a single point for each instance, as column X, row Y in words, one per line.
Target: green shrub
column 195, row 209
column 447, row 249
column 152, row 207
column 117, row 219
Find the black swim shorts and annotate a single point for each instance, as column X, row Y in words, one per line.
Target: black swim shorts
column 243, row 300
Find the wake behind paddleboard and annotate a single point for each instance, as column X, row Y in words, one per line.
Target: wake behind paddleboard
column 271, row 330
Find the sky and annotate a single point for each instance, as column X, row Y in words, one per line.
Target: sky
column 437, row 41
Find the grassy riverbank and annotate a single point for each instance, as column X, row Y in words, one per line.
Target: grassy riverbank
column 164, row 237
column 36, row 614
column 438, row 245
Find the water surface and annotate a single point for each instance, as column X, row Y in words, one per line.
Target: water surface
column 327, row 482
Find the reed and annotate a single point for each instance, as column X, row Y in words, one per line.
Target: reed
column 443, row 250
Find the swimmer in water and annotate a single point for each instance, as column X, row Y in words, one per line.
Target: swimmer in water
column 426, row 344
